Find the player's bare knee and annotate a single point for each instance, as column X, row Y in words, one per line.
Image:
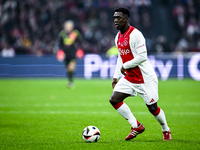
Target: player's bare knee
column 152, row 108
column 113, row 100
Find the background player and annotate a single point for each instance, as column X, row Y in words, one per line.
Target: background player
column 139, row 76
column 67, row 42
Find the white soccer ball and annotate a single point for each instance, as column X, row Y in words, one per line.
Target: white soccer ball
column 91, row 134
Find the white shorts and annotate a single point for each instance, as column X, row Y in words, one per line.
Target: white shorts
column 147, row 91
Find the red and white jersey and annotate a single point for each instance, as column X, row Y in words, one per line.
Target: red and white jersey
column 132, row 54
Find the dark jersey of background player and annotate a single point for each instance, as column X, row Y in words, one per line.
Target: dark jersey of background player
column 67, row 41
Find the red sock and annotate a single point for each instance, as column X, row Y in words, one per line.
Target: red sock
column 157, row 112
column 138, row 123
column 159, row 115
column 118, row 105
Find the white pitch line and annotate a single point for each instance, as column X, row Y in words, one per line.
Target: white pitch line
column 56, row 105
column 197, row 104
column 92, row 113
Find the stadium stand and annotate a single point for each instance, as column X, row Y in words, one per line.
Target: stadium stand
column 32, row 26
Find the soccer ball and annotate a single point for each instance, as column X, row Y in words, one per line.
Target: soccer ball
column 91, row 134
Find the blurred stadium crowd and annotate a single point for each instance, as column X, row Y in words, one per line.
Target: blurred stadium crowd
column 32, row 26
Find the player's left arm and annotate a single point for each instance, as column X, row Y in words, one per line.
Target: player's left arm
column 138, row 47
column 79, row 39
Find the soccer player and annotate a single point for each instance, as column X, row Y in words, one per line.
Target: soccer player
column 139, row 76
column 66, row 42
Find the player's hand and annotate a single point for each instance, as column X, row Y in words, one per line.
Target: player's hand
column 123, row 71
column 114, row 82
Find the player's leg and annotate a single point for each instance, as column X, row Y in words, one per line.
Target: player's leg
column 70, row 71
column 122, row 108
column 66, row 63
column 159, row 115
column 149, row 92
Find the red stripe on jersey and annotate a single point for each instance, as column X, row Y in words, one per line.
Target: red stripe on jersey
column 134, row 74
column 118, row 105
column 157, row 112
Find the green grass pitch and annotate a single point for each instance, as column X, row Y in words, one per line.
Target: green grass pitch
column 45, row 114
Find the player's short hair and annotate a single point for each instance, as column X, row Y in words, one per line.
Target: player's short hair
column 69, row 22
column 123, row 10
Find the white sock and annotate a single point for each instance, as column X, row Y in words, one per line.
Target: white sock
column 125, row 111
column 159, row 115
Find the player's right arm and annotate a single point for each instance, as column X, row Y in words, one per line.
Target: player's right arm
column 114, row 82
column 60, row 40
column 117, row 71
column 118, row 67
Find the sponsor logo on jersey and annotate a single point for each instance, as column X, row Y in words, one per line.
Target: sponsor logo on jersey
column 124, row 51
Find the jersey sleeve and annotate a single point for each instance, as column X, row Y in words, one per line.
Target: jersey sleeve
column 136, row 61
column 79, row 39
column 137, row 43
column 138, row 47
column 116, row 39
column 118, row 67
column 60, row 40
column 119, row 62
